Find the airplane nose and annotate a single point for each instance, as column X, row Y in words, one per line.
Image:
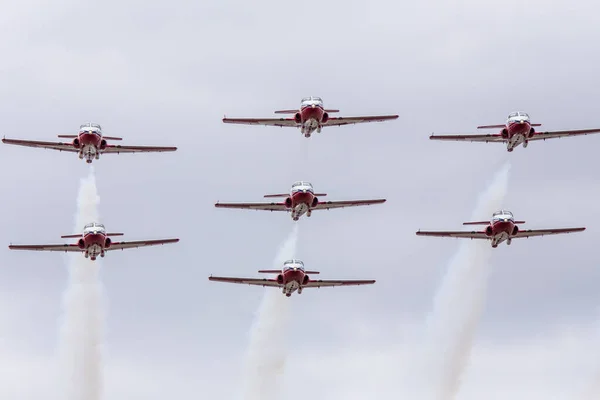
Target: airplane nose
column 313, row 106
column 295, row 268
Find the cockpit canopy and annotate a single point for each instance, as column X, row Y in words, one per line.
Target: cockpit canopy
column 503, row 215
column 518, row 115
column 94, row 226
column 90, row 125
column 312, row 100
column 293, row 264
column 302, row 185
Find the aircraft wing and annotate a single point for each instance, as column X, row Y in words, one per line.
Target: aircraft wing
column 140, row 243
column 326, row 205
column 44, row 145
column 558, row 134
column 254, row 206
column 330, row 283
column 454, row 234
column 337, row 121
column 541, row 232
column 493, row 138
column 135, row 149
column 46, row 247
column 262, row 121
column 246, row 281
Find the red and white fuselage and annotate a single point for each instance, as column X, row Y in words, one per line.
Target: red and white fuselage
column 518, row 129
column 94, row 241
column 301, row 200
column 89, row 142
column 311, row 116
column 502, row 228
column 293, row 276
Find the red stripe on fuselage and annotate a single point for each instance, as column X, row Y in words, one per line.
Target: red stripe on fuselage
column 291, row 276
column 312, row 113
column 86, row 138
column 300, row 198
column 98, row 238
column 501, row 226
column 515, row 128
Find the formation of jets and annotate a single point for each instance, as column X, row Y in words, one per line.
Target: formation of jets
column 301, row 200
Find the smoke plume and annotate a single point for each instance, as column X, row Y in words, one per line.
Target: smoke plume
column 460, row 300
column 81, row 335
column 266, row 356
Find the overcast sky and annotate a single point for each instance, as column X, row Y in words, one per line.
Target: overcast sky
column 165, row 73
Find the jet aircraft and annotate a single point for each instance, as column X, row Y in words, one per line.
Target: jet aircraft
column 93, row 242
column 502, row 227
column 292, row 277
column 89, row 143
column 312, row 116
column 301, row 200
column 517, row 130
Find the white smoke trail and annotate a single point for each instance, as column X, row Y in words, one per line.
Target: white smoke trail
column 81, row 335
column 266, row 356
column 460, row 300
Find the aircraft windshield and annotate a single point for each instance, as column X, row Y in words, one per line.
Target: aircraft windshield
column 312, row 100
column 293, row 264
column 94, row 225
column 518, row 114
column 503, row 215
column 90, row 125
column 301, row 184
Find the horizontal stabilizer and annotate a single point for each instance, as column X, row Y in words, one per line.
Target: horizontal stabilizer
column 331, row 111
column 114, row 234
column 269, row 271
column 67, row 136
column 535, row 124
column 312, row 272
column 519, row 222
column 112, row 138
column 286, row 111
column 277, row 195
column 491, row 126
column 75, row 235
column 320, row 194
column 477, row 223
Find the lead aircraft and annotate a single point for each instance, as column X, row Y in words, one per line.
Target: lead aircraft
column 312, row 116
column 93, row 242
column 517, row 130
column 89, row 143
column 301, row 200
column 292, row 277
column 503, row 227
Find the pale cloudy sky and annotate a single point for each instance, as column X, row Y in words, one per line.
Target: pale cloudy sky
column 165, row 73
